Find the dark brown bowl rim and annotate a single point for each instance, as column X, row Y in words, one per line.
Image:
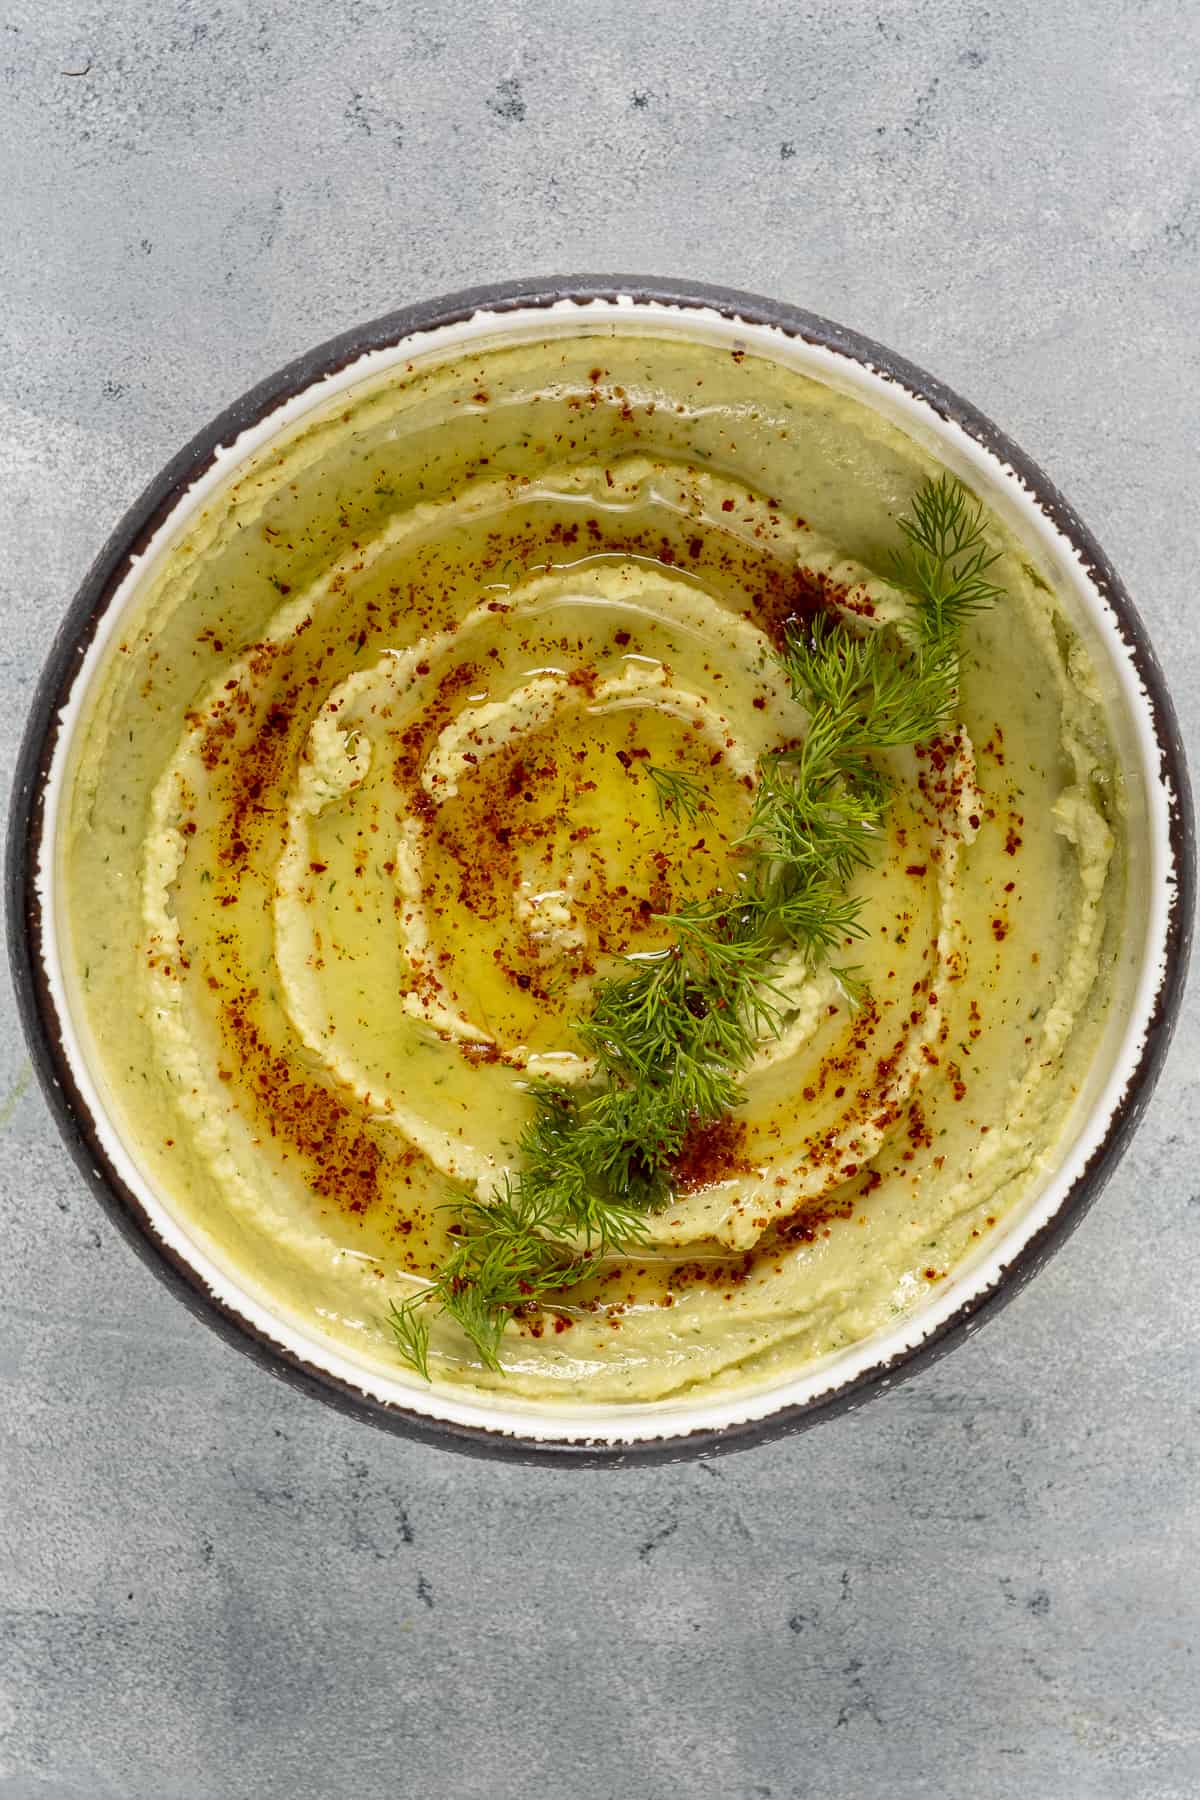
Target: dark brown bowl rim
column 26, row 925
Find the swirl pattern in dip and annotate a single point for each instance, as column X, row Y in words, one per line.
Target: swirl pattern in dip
column 361, row 813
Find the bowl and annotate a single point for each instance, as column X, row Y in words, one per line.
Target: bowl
column 1160, row 878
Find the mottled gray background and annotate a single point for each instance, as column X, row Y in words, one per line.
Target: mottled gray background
column 984, row 1586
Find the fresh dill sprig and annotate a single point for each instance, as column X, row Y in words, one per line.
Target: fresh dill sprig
column 679, row 796
column 852, row 985
column 872, row 692
column 683, row 1017
column 504, row 1259
column 668, row 1038
column 945, row 560
column 408, row 1321
column 563, row 1153
column 816, row 810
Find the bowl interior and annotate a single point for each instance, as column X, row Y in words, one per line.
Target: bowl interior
column 1005, row 490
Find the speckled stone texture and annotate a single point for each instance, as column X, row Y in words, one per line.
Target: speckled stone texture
column 985, row 1585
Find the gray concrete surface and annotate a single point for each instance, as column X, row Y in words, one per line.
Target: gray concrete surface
column 985, row 1586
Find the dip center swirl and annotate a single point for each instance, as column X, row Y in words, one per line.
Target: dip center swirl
column 531, row 851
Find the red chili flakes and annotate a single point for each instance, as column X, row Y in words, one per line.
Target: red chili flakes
column 917, row 1129
column 344, row 1162
column 710, row 1153
column 813, row 1220
column 785, row 597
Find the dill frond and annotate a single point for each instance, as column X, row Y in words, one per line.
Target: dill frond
column 945, row 561
column 669, row 1036
column 409, row 1323
column 679, row 796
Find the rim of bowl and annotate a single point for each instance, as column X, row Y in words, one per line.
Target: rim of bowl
column 30, row 931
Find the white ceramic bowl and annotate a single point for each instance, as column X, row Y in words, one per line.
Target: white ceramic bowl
column 1160, row 903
